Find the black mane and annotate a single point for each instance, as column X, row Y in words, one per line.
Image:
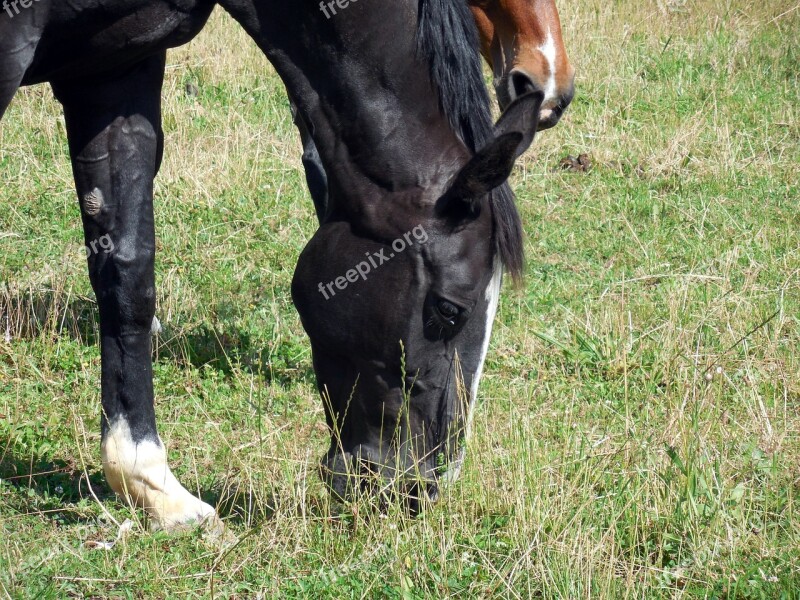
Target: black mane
column 448, row 39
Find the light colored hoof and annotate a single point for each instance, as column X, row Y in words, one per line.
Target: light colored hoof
column 202, row 517
column 186, row 513
column 139, row 474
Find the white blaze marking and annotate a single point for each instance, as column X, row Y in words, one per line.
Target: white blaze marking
column 492, row 295
column 139, row 473
column 548, row 50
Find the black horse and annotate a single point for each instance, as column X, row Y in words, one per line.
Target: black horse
column 397, row 289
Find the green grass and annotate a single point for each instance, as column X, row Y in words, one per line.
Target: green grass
column 637, row 434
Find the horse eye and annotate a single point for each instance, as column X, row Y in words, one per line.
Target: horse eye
column 448, row 310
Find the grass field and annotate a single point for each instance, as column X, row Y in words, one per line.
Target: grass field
column 637, row 434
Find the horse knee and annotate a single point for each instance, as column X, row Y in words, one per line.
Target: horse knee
column 124, row 283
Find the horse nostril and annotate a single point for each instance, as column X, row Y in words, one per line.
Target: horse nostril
column 566, row 98
column 519, row 83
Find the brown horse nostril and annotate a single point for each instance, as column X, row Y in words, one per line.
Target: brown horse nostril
column 520, row 83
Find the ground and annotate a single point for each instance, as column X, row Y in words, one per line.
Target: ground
column 637, row 430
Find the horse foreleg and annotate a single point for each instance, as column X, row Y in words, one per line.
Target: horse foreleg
column 115, row 138
column 17, row 49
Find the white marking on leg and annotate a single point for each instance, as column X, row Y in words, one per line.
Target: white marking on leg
column 548, row 50
column 139, row 473
column 492, row 296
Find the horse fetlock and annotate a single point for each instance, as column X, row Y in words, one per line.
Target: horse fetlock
column 138, row 472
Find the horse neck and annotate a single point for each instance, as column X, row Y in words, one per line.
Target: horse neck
column 368, row 99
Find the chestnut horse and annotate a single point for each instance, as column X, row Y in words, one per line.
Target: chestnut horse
column 522, row 42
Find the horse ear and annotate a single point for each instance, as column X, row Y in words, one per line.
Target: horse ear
column 522, row 116
column 492, row 165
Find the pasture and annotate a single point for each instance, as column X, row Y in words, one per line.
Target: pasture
column 637, row 432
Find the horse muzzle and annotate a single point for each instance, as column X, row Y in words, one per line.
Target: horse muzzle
column 357, row 475
column 519, row 82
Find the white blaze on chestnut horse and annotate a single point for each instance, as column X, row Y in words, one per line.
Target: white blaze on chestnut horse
column 522, row 41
